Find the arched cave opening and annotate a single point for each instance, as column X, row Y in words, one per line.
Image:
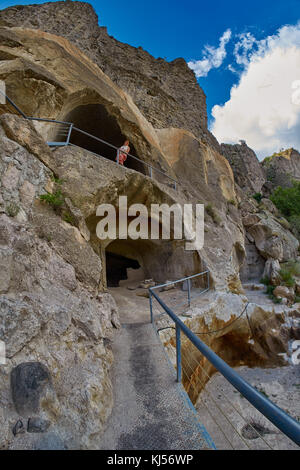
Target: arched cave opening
column 160, row 260
column 117, row 268
column 124, row 262
column 95, row 119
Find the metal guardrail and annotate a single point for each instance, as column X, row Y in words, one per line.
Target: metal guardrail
column 187, row 287
column 151, row 168
column 285, row 423
column 66, row 131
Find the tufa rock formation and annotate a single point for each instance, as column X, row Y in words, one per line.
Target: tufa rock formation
column 167, row 94
column 57, row 317
column 248, row 173
column 80, row 92
column 282, row 167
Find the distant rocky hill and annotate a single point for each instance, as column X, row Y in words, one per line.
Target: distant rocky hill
column 282, row 167
column 254, row 176
column 248, row 172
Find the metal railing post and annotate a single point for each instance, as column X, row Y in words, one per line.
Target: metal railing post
column 178, row 353
column 118, row 156
column 151, row 306
column 69, row 134
column 189, row 291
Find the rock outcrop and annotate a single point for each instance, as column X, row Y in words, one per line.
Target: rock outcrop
column 166, row 93
column 271, row 239
column 53, row 308
column 282, row 167
column 56, row 325
column 74, row 84
column 268, row 241
column 248, row 172
column 56, row 316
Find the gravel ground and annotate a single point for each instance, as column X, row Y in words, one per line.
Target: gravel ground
column 280, row 384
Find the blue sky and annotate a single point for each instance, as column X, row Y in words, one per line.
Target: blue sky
column 177, row 28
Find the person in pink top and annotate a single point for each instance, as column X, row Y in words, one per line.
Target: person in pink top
column 123, row 151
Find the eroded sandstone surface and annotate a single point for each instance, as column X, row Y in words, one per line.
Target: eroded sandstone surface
column 282, row 167
column 167, row 93
column 248, row 172
column 52, row 314
column 57, row 317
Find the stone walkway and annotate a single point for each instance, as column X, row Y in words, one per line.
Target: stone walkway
column 151, row 410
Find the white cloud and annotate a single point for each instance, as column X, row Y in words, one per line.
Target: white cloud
column 264, row 108
column 243, row 48
column 213, row 57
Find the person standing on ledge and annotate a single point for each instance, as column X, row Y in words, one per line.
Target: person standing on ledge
column 122, row 152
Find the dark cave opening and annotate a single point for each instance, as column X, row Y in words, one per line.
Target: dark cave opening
column 116, row 268
column 95, row 119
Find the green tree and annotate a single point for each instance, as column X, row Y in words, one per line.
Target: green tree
column 287, row 200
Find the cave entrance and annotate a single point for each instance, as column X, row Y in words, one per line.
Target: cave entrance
column 138, row 260
column 117, row 268
column 95, row 119
column 124, row 263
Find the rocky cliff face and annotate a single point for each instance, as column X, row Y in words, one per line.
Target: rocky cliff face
column 43, row 68
column 56, row 316
column 268, row 240
column 166, row 93
column 56, row 325
column 281, row 168
column 248, row 172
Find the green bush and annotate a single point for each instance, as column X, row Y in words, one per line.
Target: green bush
column 56, row 180
column 265, row 281
column 276, row 300
column 288, row 271
column 270, row 289
column 69, row 218
column 295, row 224
column 258, row 197
column 55, row 200
column 293, row 267
column 286, row 277
column 287, row 200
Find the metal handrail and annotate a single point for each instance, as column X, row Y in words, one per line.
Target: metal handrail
column 189, row 295
column 72, row 127
column 285, row 423
column 181, row 280
column 128, row 154
column 48, row 120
